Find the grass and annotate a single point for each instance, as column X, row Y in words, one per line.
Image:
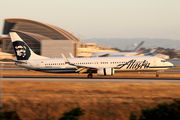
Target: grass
column 106, row 101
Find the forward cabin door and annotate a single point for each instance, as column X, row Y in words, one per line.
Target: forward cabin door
column 38, row 64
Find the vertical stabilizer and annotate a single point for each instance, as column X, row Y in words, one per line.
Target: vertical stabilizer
column 151, row 53
column 138, row 48
column 22, row 50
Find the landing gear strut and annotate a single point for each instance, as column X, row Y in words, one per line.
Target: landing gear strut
column 157, row 75
column 90, row 75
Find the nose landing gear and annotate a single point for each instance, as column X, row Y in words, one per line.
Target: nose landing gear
column 157, row 75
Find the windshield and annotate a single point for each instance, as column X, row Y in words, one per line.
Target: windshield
column 163, row 60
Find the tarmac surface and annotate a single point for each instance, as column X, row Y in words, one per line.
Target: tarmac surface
column 95, row 79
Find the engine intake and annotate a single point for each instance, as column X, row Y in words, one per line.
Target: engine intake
column 105, row 71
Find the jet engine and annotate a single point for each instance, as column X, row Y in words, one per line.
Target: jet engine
column 105, row 71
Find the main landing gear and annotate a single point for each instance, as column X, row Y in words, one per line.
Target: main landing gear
column 90, row 75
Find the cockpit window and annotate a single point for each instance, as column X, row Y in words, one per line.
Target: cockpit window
column 163, row 60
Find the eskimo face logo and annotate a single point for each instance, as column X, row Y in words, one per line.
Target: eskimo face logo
column 22, row 51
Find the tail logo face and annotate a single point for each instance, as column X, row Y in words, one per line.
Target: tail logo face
column 22, row 50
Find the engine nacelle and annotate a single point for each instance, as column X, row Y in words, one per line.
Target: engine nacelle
column 105, row 71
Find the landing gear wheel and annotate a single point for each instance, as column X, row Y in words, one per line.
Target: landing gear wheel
column 90, row 75
column 157, row 75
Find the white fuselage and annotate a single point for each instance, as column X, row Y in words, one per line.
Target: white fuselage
column 144, row 63
column 114, row 54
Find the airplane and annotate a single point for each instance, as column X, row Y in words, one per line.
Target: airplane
column 26, row 58
column 151, row 52
column 134, row 52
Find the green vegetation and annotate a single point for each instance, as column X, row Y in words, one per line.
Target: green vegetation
column 133, row 116
column 163, row 111
column 10, row 115
column 73, row 114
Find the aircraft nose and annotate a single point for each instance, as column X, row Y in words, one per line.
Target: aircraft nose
column 170, row 64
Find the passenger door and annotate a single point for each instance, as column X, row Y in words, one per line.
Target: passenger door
column 38, row 64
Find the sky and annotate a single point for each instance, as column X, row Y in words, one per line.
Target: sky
column 87, row 19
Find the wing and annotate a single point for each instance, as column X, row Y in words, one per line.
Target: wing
column 105, row 55
column 80, row 68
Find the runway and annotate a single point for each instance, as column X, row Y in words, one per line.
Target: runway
column 95, row 79
column 174, row 69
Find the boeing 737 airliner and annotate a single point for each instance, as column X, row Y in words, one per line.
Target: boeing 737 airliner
column 102, row 66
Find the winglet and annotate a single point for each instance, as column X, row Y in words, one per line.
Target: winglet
column 71, row 55
column 65, row 59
